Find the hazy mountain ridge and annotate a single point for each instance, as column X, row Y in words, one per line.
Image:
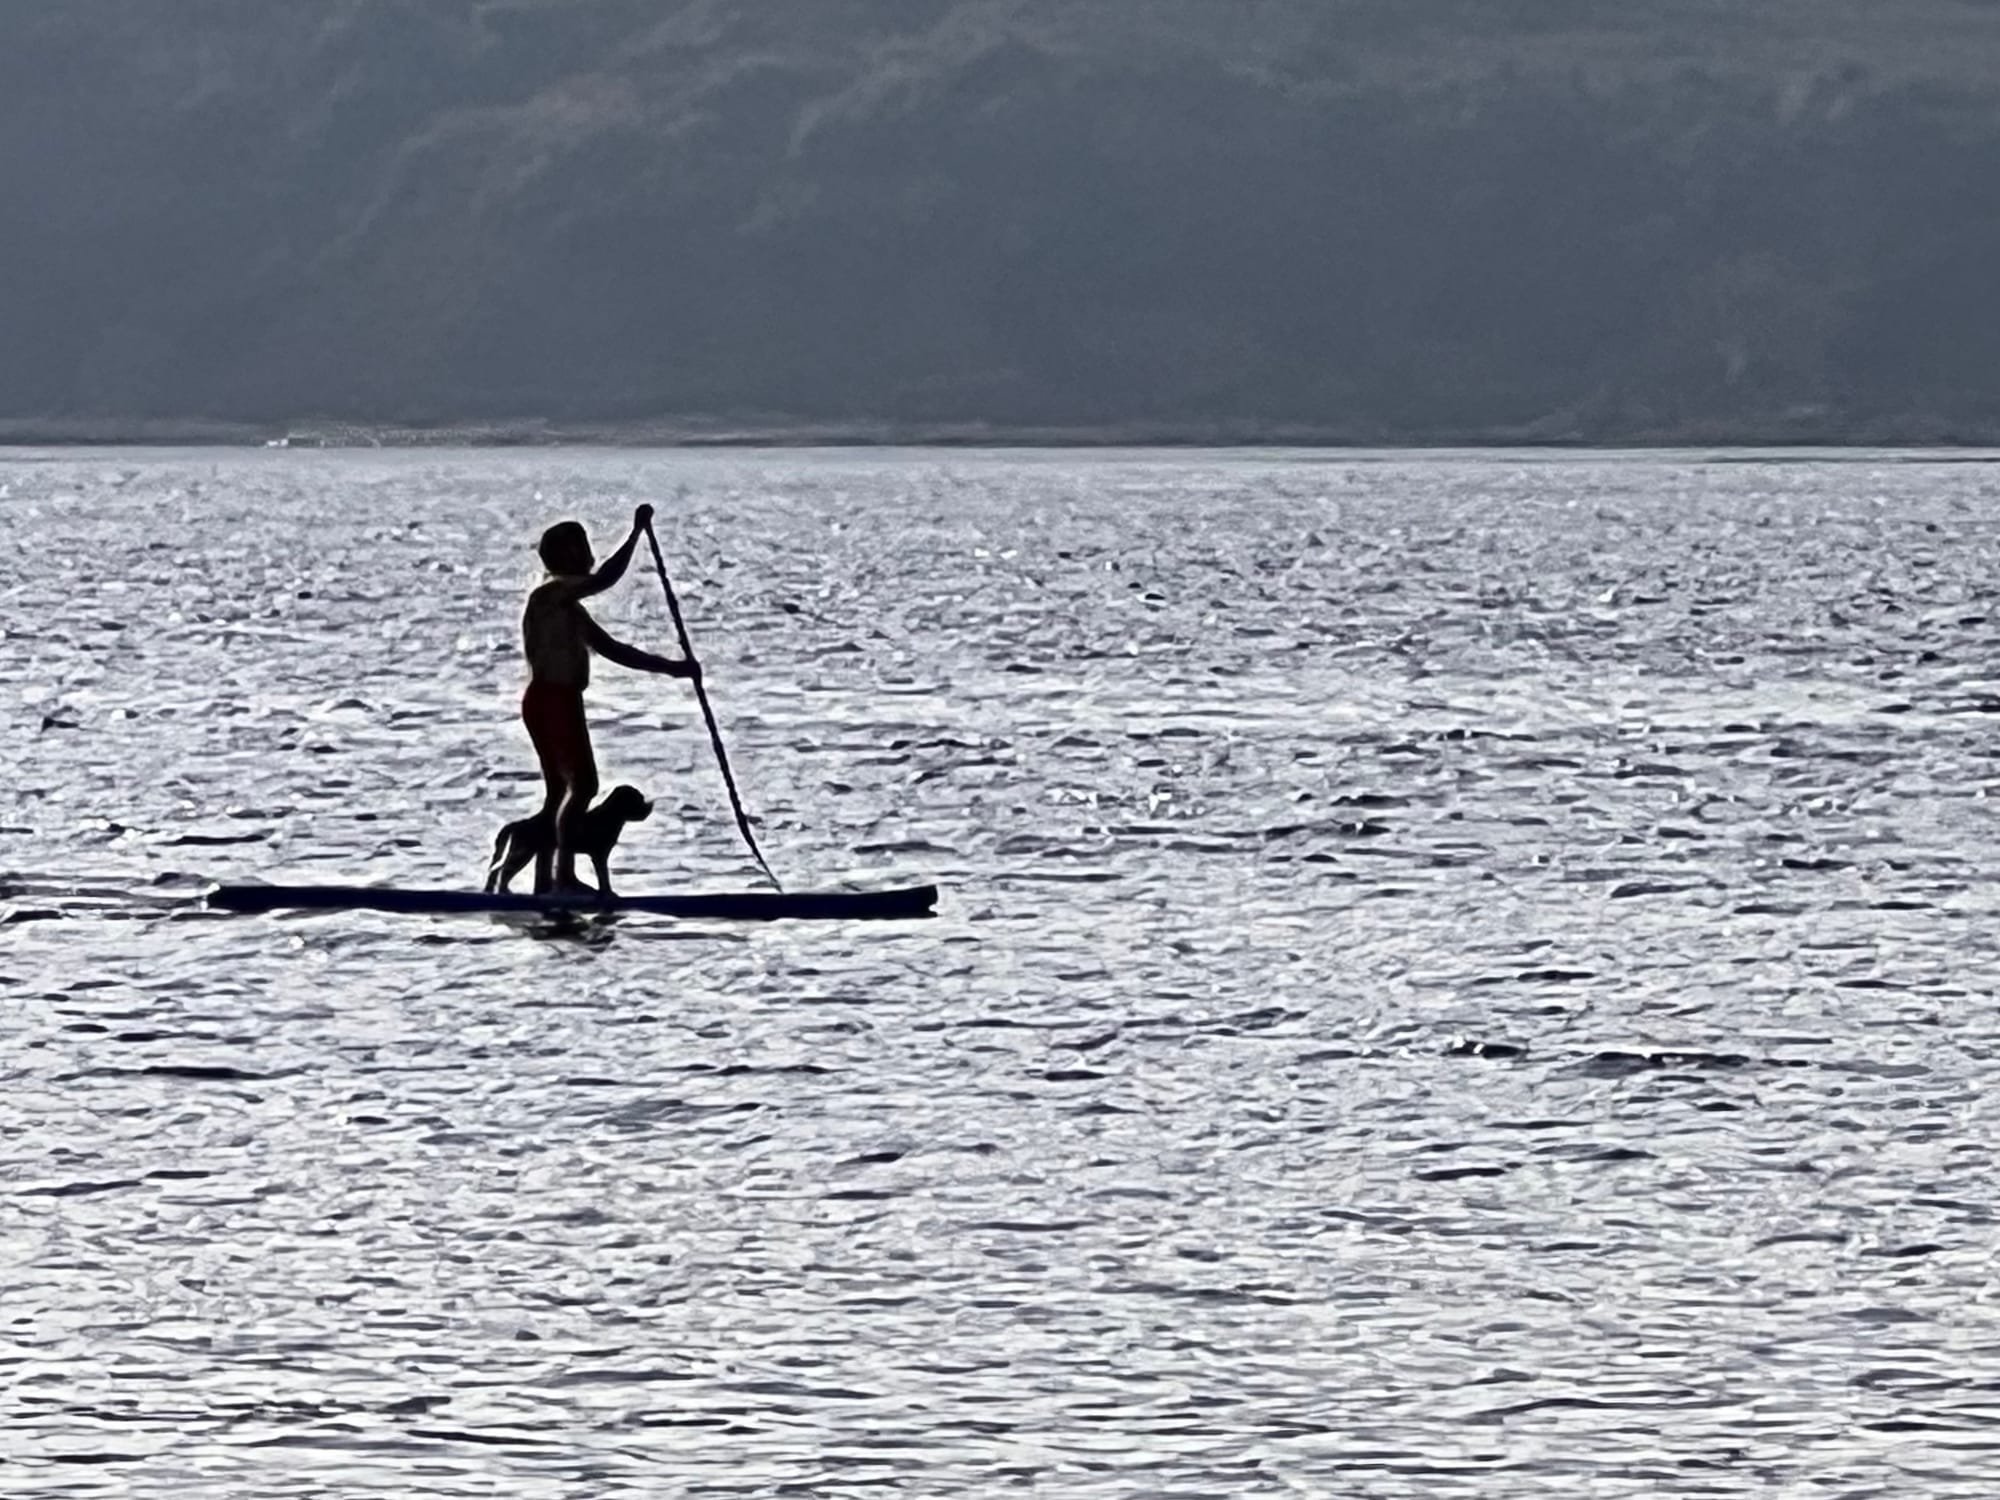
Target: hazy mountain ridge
column 1302, row 217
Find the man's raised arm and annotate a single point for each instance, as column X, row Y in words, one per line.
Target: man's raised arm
column 613, row 567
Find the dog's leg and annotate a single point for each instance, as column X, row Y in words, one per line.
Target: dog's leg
column 538, row 843
column 603, row 869
column 519, row 841
column 499, row 855
column 516, row 857
column 527, row 847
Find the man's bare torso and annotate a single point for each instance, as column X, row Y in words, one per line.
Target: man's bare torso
column 555, row 635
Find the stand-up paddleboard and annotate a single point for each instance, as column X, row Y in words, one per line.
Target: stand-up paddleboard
column 735, row 906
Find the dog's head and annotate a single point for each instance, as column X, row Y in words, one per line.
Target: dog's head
column 628, row 805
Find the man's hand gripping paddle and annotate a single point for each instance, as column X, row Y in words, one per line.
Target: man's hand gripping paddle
column 701, row 696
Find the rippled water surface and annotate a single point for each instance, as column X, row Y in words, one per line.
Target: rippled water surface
column 1457, row 976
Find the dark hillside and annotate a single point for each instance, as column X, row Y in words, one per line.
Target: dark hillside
column 1367, row 219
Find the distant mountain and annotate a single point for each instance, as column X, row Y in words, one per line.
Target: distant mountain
column 1373, row 220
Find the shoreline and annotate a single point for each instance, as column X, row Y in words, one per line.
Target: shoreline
column 314, row 435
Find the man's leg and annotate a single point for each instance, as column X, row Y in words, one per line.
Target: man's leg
column 545, row 828
column 579, row 791
column 569, row 825
column 542, row 715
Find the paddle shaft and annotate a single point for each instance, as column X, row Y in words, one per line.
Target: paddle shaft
column 701, row 697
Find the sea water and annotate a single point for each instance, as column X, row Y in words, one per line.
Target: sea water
column 1458, row 975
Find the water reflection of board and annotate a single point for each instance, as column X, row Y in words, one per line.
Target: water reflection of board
column 733, row 906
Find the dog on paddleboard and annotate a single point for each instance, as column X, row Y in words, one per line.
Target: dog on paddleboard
column 534, row 838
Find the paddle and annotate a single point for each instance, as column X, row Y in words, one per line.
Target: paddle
column 701, row 696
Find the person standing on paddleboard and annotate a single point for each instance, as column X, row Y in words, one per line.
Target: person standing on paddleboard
column 558, row 638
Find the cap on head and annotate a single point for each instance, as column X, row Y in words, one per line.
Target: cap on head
column 565, row 548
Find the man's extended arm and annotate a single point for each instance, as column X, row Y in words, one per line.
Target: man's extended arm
column 631, row 656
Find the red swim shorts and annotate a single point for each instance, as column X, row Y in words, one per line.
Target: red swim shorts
column 554, row 716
